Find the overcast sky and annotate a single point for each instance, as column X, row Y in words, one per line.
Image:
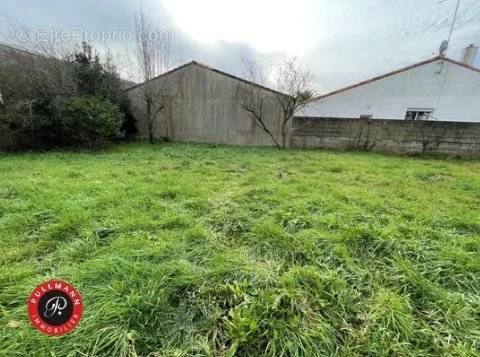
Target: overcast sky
column 343, row 41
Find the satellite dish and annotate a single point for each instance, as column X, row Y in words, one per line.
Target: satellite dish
column 443, row 47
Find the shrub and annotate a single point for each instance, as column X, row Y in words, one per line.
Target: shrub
column 94, row 76
column 88, row 120
column 34, row 86
column 29, row 84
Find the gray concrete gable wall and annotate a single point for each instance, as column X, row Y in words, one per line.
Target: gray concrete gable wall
column 203, row 108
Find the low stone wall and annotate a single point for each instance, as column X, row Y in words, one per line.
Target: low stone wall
column 398, row 136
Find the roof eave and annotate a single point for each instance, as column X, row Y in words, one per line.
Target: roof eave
column 213, row 70
column 388, row 74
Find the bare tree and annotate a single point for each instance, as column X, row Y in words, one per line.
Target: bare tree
column 252, row 101
column 291, row 82
column 295, row 81
column 256, row 72
column 153, row 59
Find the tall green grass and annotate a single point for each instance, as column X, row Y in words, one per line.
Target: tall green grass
column 191, row 250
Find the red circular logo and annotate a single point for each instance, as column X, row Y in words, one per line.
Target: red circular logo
column 55, row 308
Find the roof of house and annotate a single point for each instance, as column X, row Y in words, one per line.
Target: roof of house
column 11, row 48
column 418, row 64
column 210, row 69
column 6, row 47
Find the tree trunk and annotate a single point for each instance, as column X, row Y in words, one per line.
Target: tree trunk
column 151, row 137
column 279, row 146
column 284, row 135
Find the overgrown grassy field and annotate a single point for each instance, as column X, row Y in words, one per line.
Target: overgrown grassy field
column 191, row 250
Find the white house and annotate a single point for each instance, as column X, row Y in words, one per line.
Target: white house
column 436, row 89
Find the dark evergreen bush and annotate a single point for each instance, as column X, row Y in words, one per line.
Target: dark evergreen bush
column 89, row 121
column 100, row 78
column 36, row 90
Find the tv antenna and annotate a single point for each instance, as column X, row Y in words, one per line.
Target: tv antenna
column 445, row 44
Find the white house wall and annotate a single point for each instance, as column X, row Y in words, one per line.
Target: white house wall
column 453, row 91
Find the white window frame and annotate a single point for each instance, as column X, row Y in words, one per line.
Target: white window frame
column 419, row 114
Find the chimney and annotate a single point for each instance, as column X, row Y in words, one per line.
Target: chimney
column 469, row 54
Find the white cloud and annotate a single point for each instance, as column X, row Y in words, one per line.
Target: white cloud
column 369, row 37
column 342, row 40
column 266, row 25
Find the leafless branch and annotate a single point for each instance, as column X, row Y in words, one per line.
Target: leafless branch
column 252, row 101
column 292, row 82
column 153, row 57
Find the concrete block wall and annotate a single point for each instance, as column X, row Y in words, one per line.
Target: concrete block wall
column 385, row 135
column 204, row 110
